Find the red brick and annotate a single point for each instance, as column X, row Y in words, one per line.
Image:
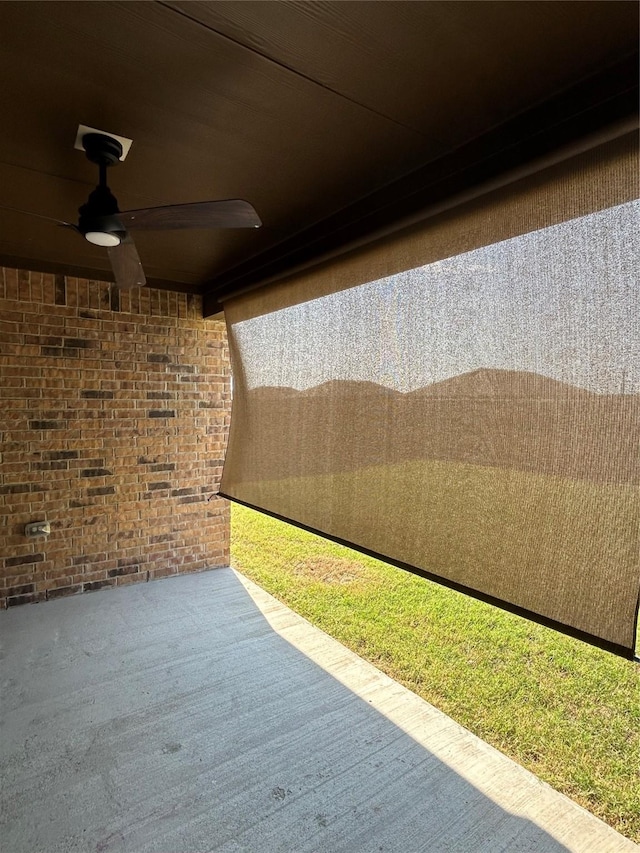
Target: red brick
column 107, row 371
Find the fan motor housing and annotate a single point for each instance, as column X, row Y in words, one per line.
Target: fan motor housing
column 101, row 224
column 100, row 213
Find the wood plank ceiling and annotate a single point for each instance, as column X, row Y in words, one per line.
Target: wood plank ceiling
column 316, row 112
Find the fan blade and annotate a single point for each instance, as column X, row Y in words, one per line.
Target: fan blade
column 232, row 213
column 126, row 265
column 37, row 215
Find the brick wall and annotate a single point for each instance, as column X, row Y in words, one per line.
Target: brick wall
column 114, row 410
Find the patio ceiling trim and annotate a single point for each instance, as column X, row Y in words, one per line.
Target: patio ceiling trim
column 600, row 106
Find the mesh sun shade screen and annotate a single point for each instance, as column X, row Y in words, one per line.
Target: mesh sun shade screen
column 463, row 399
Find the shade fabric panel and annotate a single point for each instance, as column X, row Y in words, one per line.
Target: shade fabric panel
column 463, row 398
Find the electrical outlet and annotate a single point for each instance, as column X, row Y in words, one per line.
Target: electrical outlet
column 37, row 528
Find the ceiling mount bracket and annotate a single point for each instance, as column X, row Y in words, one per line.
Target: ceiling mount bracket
column 84, row 131
column 101, row 149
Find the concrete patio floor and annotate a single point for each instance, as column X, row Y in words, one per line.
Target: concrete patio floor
column 198, row 714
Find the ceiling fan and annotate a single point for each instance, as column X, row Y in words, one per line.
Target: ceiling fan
column 103, row 224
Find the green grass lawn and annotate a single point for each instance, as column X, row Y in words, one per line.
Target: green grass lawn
column 566, row 711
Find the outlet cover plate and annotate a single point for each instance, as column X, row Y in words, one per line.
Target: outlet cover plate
column 37, row 528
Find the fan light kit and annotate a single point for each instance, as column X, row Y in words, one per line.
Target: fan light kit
column 103, row 224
